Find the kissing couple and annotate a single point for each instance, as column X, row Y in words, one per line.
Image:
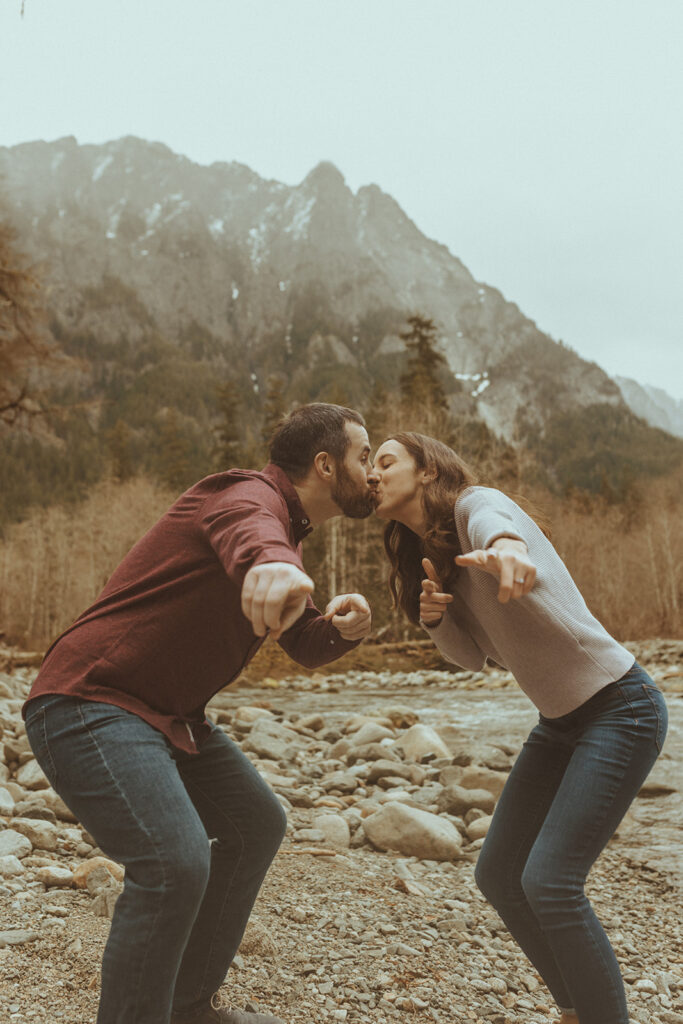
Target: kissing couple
column 117, row 723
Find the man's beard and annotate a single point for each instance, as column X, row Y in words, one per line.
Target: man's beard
column 353, row 502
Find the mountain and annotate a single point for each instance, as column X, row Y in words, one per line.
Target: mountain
column 242, row 272
column 191, row 305
column 653, row 405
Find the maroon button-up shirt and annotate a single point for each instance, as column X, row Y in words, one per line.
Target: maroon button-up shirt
column 167, row 631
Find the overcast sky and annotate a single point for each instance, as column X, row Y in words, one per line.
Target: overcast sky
column 540, row 140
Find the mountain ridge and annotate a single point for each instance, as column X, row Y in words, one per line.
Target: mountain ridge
column 130, row 200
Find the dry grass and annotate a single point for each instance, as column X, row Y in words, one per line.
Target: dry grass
column 55, row 563
column 628, row 564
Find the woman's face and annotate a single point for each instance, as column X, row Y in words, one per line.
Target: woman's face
column 399, row 484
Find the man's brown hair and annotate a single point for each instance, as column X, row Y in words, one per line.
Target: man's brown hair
column 317, row 427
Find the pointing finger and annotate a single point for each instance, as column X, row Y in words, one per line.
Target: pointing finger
column 431, row 571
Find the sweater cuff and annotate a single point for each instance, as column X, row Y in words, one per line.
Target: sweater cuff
column 496, row 535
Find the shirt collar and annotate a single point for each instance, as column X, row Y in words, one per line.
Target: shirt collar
column 301, row 524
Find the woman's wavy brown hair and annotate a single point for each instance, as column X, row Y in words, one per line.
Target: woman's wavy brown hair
column 440, row 544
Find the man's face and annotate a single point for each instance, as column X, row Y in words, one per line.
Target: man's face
column 351, row 490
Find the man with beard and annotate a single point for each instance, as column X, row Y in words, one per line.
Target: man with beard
column 116, row 715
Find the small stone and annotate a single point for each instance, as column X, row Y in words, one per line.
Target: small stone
column 31, row 776
column 14, row 844
column 386, row 768
column 335, row 830
column 6, row 802
column 10, row 866
column 83, row 870
column 421, row 741
column 43, row 835
column 371, row 732
column 343, row 782
column 104, row 903
column 269, row 739
column 370, row 752
column 477, row 829
column 54, row 875
column 247, row 715
column 17, row 937
column 456, row 799
column 257, row 941
column 308, row 835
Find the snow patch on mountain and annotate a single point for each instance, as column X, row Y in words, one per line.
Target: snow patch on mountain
column 101, row 166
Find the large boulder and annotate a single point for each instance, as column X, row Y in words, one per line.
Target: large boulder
column 413, row 832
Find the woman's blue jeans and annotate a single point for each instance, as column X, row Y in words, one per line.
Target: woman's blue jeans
column 196, row 834
column 567, row 792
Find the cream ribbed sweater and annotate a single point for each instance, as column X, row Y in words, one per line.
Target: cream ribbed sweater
column 557, row 651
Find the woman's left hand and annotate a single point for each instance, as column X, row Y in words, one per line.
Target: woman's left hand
column 507, row 559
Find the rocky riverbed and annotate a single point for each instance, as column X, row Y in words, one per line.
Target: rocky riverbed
column 370, row 912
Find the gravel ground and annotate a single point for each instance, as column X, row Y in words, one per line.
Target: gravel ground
column 345, row 931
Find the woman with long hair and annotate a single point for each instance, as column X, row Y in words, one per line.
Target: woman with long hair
column 482, row 577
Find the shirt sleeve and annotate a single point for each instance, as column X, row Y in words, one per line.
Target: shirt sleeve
column 483, row 515
column 248, row 525
column 313, row 641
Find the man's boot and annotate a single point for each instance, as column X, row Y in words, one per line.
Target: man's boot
column 211, row 1014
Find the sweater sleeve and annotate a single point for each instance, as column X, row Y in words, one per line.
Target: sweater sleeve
column 482, row 515
column 455, row 643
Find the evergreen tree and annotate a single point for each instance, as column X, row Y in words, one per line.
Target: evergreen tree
column 119, row 440
column 228, row 450
column 423, row 395
column 274, row 407
column 175, row 462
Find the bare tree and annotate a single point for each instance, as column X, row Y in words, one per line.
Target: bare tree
column 22, row 328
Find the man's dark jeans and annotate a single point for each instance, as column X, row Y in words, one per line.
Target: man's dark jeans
column 186, row 900
column 567, row 792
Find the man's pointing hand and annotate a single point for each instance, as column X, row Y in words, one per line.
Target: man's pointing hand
column 274, row 596
column 351, row 614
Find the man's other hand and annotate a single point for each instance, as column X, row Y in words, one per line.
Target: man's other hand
column 274, row 596
column 351, row 614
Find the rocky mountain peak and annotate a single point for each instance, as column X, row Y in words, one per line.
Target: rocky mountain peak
column 222, row 249
column 325, row 178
